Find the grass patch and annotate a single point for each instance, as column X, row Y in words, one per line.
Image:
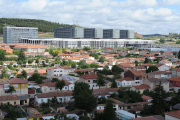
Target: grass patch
column 46, row 35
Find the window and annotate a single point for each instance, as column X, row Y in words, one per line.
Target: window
column 50, row 88
column 23, row 85
column 88, row 80
column 15, row 103
column 25, row 101
column 94, row 81
column 41, row 100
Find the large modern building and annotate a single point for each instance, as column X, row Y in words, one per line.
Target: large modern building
column 93, row 43
column 94, row 33
column 111, row 34
column 75, row 32
column 126, row 34
column 14, row 34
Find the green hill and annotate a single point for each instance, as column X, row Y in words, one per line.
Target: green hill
column 43, row 26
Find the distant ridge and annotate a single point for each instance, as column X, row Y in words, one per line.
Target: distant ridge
column 151, row 35
column 43, row 26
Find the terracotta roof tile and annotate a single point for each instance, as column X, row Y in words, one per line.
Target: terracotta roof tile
column 89, row 76
column 18, row 80
column 57, row 94
column 143, row 86
column 146, row 97
column 9, row 97
column 177, row 79
column 126, row 79
column 175, row 114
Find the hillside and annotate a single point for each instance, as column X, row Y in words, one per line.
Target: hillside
column 43, row 26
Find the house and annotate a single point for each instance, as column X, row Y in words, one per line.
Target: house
column 160, row 74
column 153, row 82
column 139, row 68
column 146, row 98
column 125, row 50
column 161, row 57
column 172, row 115
column 154, row 117
column 51, row 87
column 143, row 52
column 31, row 48
column 162, row 67
column 149, row 56
column 14, row 100
column 64, row 56
column 128, row 82
column 108, row 50
column 91, row 79
column 147, row 65
column 6, row 63
column 169, row 56
column 125, row 66
column 134, row 52
column 61, row 97
column 105, row 92
column 174, row 81
column 11, row 56
column 20, row 85
column 32, row 112
column 122, row 53
column 140, row 88
column 135, row 75
column 166, row 62
column 59, row 71
column 7, row 49
column 156, row 53
column 176, row 72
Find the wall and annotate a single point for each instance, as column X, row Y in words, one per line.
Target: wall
column 167, row 117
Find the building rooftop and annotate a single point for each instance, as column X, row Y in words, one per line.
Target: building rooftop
column 89, row 76
column 143, row 86
column 175, row 114
column 18, row 80
column 126, row 79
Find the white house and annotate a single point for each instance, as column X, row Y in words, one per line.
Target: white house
column 61, row 97
column 166, row 62
column 128, row 82
column 59, row 71
column 162, row 67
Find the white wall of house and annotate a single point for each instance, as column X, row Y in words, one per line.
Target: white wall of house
column 125, row 83
column 58, row 72
column 163, row 68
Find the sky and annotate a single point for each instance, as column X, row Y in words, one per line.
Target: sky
column 142, row 16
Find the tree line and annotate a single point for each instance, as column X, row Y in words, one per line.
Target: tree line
column 43, row 26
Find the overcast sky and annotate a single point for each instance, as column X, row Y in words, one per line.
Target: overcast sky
column 143, row 16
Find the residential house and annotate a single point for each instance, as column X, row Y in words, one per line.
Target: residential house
column 162, row 67
column 166, row 62
column 11, row 56
column 61, row 97
column 31, row 48
column 125, row 50
column 176, row 72
column 74, row 59
column 59, row 71
column 108, row 50
column 160, row 74
column 149, row 56
column 7, row 49
column 91, row 79
column 153, row 82
column 139, row 68
column 146, row 98
column 122, row 53
column 161, row 57
column 32, row 112
column 147, row 65
column 143, row 52
column 169, row 56
column 64, row 56
column 174, row 81
column 172, row 115
column 156, row 53
column 154, row 117
column 51, row 87
column 134, row 52
column 140, row 88
column 105, row 92
column 20, row 85
column 6, row 63
column 125, row 66
column 128, row 82
column 135, row 75
column 91, row 51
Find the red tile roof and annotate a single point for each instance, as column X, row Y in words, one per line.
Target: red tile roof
column 18, row 80
column 145, row 118
column 148, row 55
column 126, row 79
column 89, row 76
column 57, row 94
column 146, row 97
column 137, row 73
column 177, row 79
column 9, row 97
column 175, row 114
column 143, row 86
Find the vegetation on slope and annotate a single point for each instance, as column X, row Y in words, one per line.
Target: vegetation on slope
column 43, row 26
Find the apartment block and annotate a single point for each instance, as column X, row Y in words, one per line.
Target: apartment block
column 93, row 33
column 111, row 34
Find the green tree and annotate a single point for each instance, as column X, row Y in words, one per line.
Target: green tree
column 102, row 59
column 2, row 54
column 179, row 55
column 37, row 61
column 116, row 69
column 159, row 103
column 24, row 74
column 11, row 89
column 147, row 60
column 60, row 84
column 73, row 65
column 35, row 77
column 114, row 84
column 1, row 62
column 136, row 63
column 162, row 40
column 152, row 69
column 175, row 54
column 55, row 80
column 47, row 60
column 109, row 112
column 86, row 48
column 16, row 52
column 100, row 80
column 83, row 97
column 46, row 50
column 4, row 74
column 21, row 55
